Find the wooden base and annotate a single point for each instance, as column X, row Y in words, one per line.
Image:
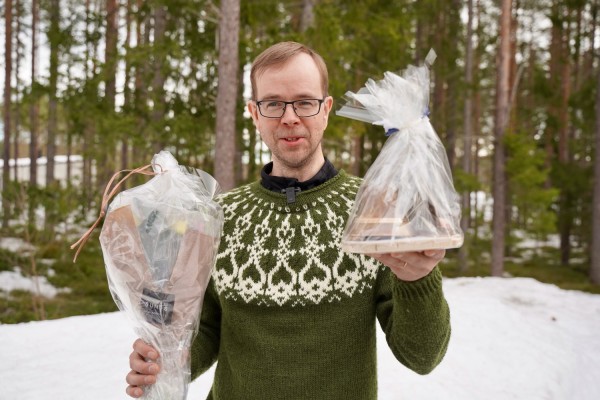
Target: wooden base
column 388, row 245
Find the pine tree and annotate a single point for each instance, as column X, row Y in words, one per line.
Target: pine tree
column 502, row 103
column 595, row 247
column 227, row 93
column 7, row 111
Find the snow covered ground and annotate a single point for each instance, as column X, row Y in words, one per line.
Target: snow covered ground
column 513, row 338
column 60, row 168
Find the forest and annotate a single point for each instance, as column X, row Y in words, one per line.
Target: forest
column 91, row 87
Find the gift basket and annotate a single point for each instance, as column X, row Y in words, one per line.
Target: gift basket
column 407, row 200
column 159, row 242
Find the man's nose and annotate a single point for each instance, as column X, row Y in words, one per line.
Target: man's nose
column 289, row 115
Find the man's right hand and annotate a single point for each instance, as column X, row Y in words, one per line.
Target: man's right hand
column 144, row 368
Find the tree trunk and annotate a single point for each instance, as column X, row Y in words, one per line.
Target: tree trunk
column 453, row 24
column 110, row 59
column 463, row 253
column 229, row 25
column 450, row 112
column 108, row 144
column 308, row 15
column 589, row 61
column 158, row 80
column 33, row 115
column 7, row 106
column 140, row 97
column 17, row 106
column 33, row 108
column 563, row 158
column 511, row 120
column 53, row 38
column 501, row 117
column 127, row 94
column 439, row 80
column 357, row 149
column 476, row 121
column 595, row 248
column 88, row 132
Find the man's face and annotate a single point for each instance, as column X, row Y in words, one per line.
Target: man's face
column 295, row 142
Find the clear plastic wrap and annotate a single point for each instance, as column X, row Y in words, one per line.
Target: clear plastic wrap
column 407, row 200
column 159, row 241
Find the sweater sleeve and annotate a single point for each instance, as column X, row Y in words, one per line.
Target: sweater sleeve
column 415, row 318
column 205, row 347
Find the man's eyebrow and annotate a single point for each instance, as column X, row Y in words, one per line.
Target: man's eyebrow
column 296, row 97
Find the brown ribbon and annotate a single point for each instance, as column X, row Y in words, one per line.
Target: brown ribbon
column 108, row 194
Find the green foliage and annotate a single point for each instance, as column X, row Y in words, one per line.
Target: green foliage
column 52, row 258
column 86, row 281
column 359, row 40
column 574, row 205
column 528, row 177
column 465, row 182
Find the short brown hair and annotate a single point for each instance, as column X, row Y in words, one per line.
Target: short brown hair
column 279, row 54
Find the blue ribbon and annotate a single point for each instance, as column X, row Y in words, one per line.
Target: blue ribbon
column 391, row 131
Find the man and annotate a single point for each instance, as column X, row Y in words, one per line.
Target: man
column 287, row 314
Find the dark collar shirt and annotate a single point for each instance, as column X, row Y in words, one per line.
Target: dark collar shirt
column 291, row 186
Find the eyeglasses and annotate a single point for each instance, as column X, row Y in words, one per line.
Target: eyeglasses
column 302, row 108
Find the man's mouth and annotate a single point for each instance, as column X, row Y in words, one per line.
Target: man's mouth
column 291, row 139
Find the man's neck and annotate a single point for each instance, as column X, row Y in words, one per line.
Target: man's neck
column 291, row 186
column 301, row 174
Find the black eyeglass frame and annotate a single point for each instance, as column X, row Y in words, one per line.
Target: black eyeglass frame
column 285, row 104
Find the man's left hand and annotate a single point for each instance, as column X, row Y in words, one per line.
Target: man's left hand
column 410, row 266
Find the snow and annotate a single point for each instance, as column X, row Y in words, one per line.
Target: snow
column 14, row 280
column 512, row 338
column 25, row 162
column 62, row 163
column 15, row 245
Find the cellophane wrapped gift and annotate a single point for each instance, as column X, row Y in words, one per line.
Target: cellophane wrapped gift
column 407, row 200
column 159, row 241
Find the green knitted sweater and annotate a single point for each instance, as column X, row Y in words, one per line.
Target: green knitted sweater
column 288, row 315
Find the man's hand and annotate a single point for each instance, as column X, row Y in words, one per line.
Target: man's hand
column 410, row 266
column 144, row 368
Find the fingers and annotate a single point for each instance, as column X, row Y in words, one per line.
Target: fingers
column 136, row 381
column 134, row 392
column 145, row 350
column 410, row 266
column 144, row 368
column 427, row 258
column 435, row 254
column 143, row 358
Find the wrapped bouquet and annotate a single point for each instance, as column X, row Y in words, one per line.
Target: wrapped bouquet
column 407, row 200
column 159, row 241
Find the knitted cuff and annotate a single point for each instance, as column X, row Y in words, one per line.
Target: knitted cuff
column 420, row 288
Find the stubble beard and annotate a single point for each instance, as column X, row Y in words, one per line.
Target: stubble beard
column 294, row 160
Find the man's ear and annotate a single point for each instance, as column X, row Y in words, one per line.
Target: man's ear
column 328, row 104
column 253, row 110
